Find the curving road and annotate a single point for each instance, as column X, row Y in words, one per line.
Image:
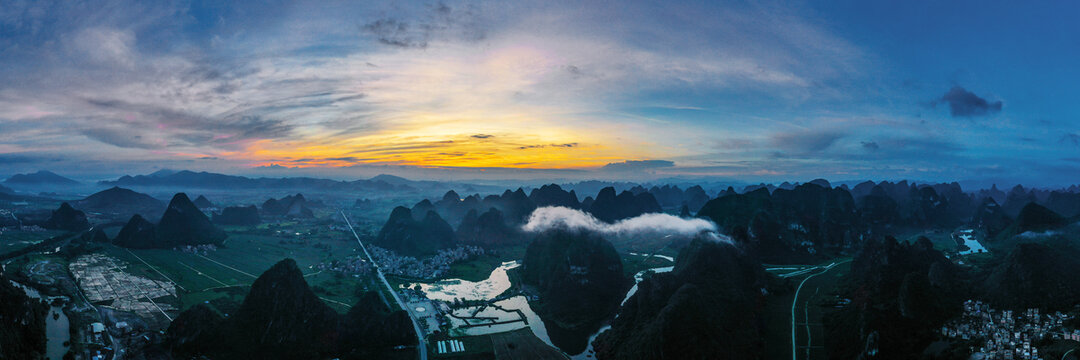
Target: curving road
column 422, row 344
column 794, row 301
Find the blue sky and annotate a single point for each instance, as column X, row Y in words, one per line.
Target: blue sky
column 756, row 91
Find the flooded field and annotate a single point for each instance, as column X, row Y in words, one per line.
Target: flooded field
column 504, row 312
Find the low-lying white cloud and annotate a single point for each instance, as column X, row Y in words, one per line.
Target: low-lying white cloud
column 660, row 224
column 1037, row 234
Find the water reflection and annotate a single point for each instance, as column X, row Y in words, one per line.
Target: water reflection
column 968, row 238
column 450, row 289
column 633, row 290
column 576, row 343
column 56, row 326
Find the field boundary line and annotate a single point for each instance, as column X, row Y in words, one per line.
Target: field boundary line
column 155, row 269
column 228, row 267
column 197, row 272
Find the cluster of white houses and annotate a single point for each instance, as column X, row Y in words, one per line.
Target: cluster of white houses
column 430, row 268
column 1004, row 334
column 450, row 346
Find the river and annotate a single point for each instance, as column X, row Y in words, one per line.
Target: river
column 57, row 327
column 497, row 283
column 633, row 290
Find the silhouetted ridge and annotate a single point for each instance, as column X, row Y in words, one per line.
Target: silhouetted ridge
column 609, row 207
column 488, row 229
column 553, row 195
column 706, row 308
column 22, row 323
column 407, row 236
column 42, row 177
column 238, row 215
column 202, row 202
column 124, row 202
column 138, row 234
column 901, row 294
column 281, row 318
column 580, row 280
column 182, row 224
column 185, row 224
column 1032, row 276
column 1033, row 218
column 990, row 217
column 67, row 218
column 292, row 206
column 97, row 236
column 789, row 225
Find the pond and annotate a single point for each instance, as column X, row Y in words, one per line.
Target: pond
column 56, row 326
column 974, row 246
column 495, row 284
column 487, row 289
column 450, row 289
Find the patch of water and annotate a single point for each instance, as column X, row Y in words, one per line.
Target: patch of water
column 487, row 289
column 633, row 290
column 665, row 257
column 497, row 283
column 974, row 246
column 56, row 326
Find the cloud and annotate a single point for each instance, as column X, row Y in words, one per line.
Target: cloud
column 540, row 75
column 1070, row 138
column 550, row 217
column 436, row 22
column 870, row 145
column 125, row 138
column 963, row 103
column 195, row 129
column 735, row 144
column 541, row 146
column 803, row 143
column 396, row 33
column 634, row 165
column 482, row 136
column 28, row 158
column 106, row 46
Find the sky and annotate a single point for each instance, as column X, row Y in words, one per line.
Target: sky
column 752, row 91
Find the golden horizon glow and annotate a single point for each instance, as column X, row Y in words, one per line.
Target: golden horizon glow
column 551, row 150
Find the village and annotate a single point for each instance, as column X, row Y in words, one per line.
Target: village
column 429, row 269
column 1007, row 335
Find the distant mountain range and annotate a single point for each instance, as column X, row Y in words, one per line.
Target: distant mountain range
column 207, row 180
column 122, row 203
column 42, row 177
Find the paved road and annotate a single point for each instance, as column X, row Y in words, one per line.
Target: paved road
column 421, row 344
column 794, row 341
